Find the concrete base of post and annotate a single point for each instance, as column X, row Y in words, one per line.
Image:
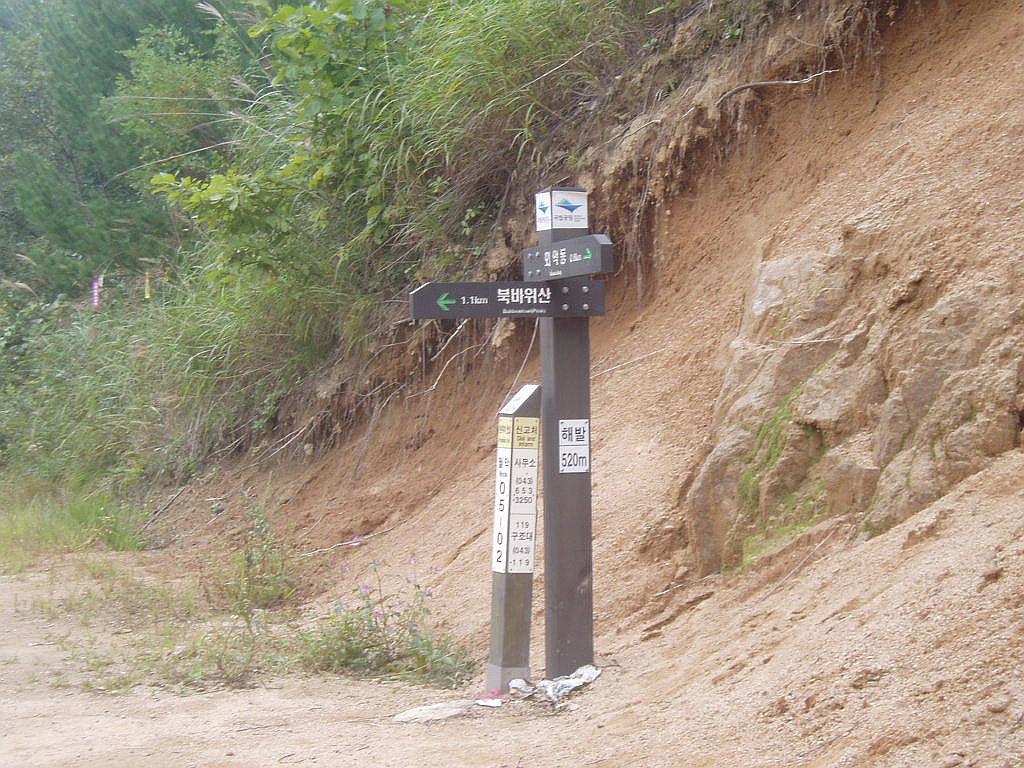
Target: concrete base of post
column 497, row 678
column 512, row 596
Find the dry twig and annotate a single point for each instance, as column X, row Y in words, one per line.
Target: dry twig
column 762, row 83
column 350, row 543
column 628, row 362
column 803, row 562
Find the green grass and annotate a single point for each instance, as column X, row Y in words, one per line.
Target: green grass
column 129, row 631
column 483, row 84
column 49, row 524
column 232, row 625
column 771, row 539
column 145, row 391
column 105, row 594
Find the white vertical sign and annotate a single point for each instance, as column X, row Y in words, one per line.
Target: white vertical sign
column 573, row 445
column 543, row 208
column 515, row 497
column 502, row 495
column 523, row 508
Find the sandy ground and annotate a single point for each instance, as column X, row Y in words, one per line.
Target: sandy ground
column 904, row 650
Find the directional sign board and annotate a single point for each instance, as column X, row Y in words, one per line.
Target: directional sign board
column 579, row 256
column 582, row 297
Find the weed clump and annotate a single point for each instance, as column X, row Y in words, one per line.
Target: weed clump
column 265, row 575
column 382, row 632
column 170, row 637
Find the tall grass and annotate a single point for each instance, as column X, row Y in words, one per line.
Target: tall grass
column 141, row 389
column 483, row 84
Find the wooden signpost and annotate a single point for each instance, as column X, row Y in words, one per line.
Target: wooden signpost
column 562, row 217
column 559, row 291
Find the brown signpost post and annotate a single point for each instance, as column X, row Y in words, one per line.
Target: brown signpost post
column 563, row 228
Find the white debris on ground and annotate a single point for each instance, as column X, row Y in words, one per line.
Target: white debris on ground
column 555, row 690
column 490, row 702
column 552, row 691
column 431, row 712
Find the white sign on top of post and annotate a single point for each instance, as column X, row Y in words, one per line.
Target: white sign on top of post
column 562, row 209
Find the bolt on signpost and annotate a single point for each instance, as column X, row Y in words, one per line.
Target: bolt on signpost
column 560, row 292
column 513, row 538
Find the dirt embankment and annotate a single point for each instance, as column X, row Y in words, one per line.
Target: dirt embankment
column 824, row 371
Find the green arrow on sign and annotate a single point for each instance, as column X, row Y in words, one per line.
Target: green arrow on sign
column 588, row 255
column 444, row 302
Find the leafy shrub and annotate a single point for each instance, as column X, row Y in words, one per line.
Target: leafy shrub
column 383, row 632
column 368, row 149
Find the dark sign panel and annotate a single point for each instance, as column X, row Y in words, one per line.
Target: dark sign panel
column 565, row 298
column 579, row 256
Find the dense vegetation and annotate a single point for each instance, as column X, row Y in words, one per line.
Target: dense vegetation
column 199, row 202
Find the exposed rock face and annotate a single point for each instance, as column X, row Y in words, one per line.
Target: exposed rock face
column 879, row 359
column 866, row 381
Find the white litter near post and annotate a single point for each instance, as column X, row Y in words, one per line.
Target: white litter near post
column 432, row 712
column 494, row 703
column 557, row 689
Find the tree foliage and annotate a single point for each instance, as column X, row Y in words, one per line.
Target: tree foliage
column 68, row 201
column 175, row 99
column 309, row 162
